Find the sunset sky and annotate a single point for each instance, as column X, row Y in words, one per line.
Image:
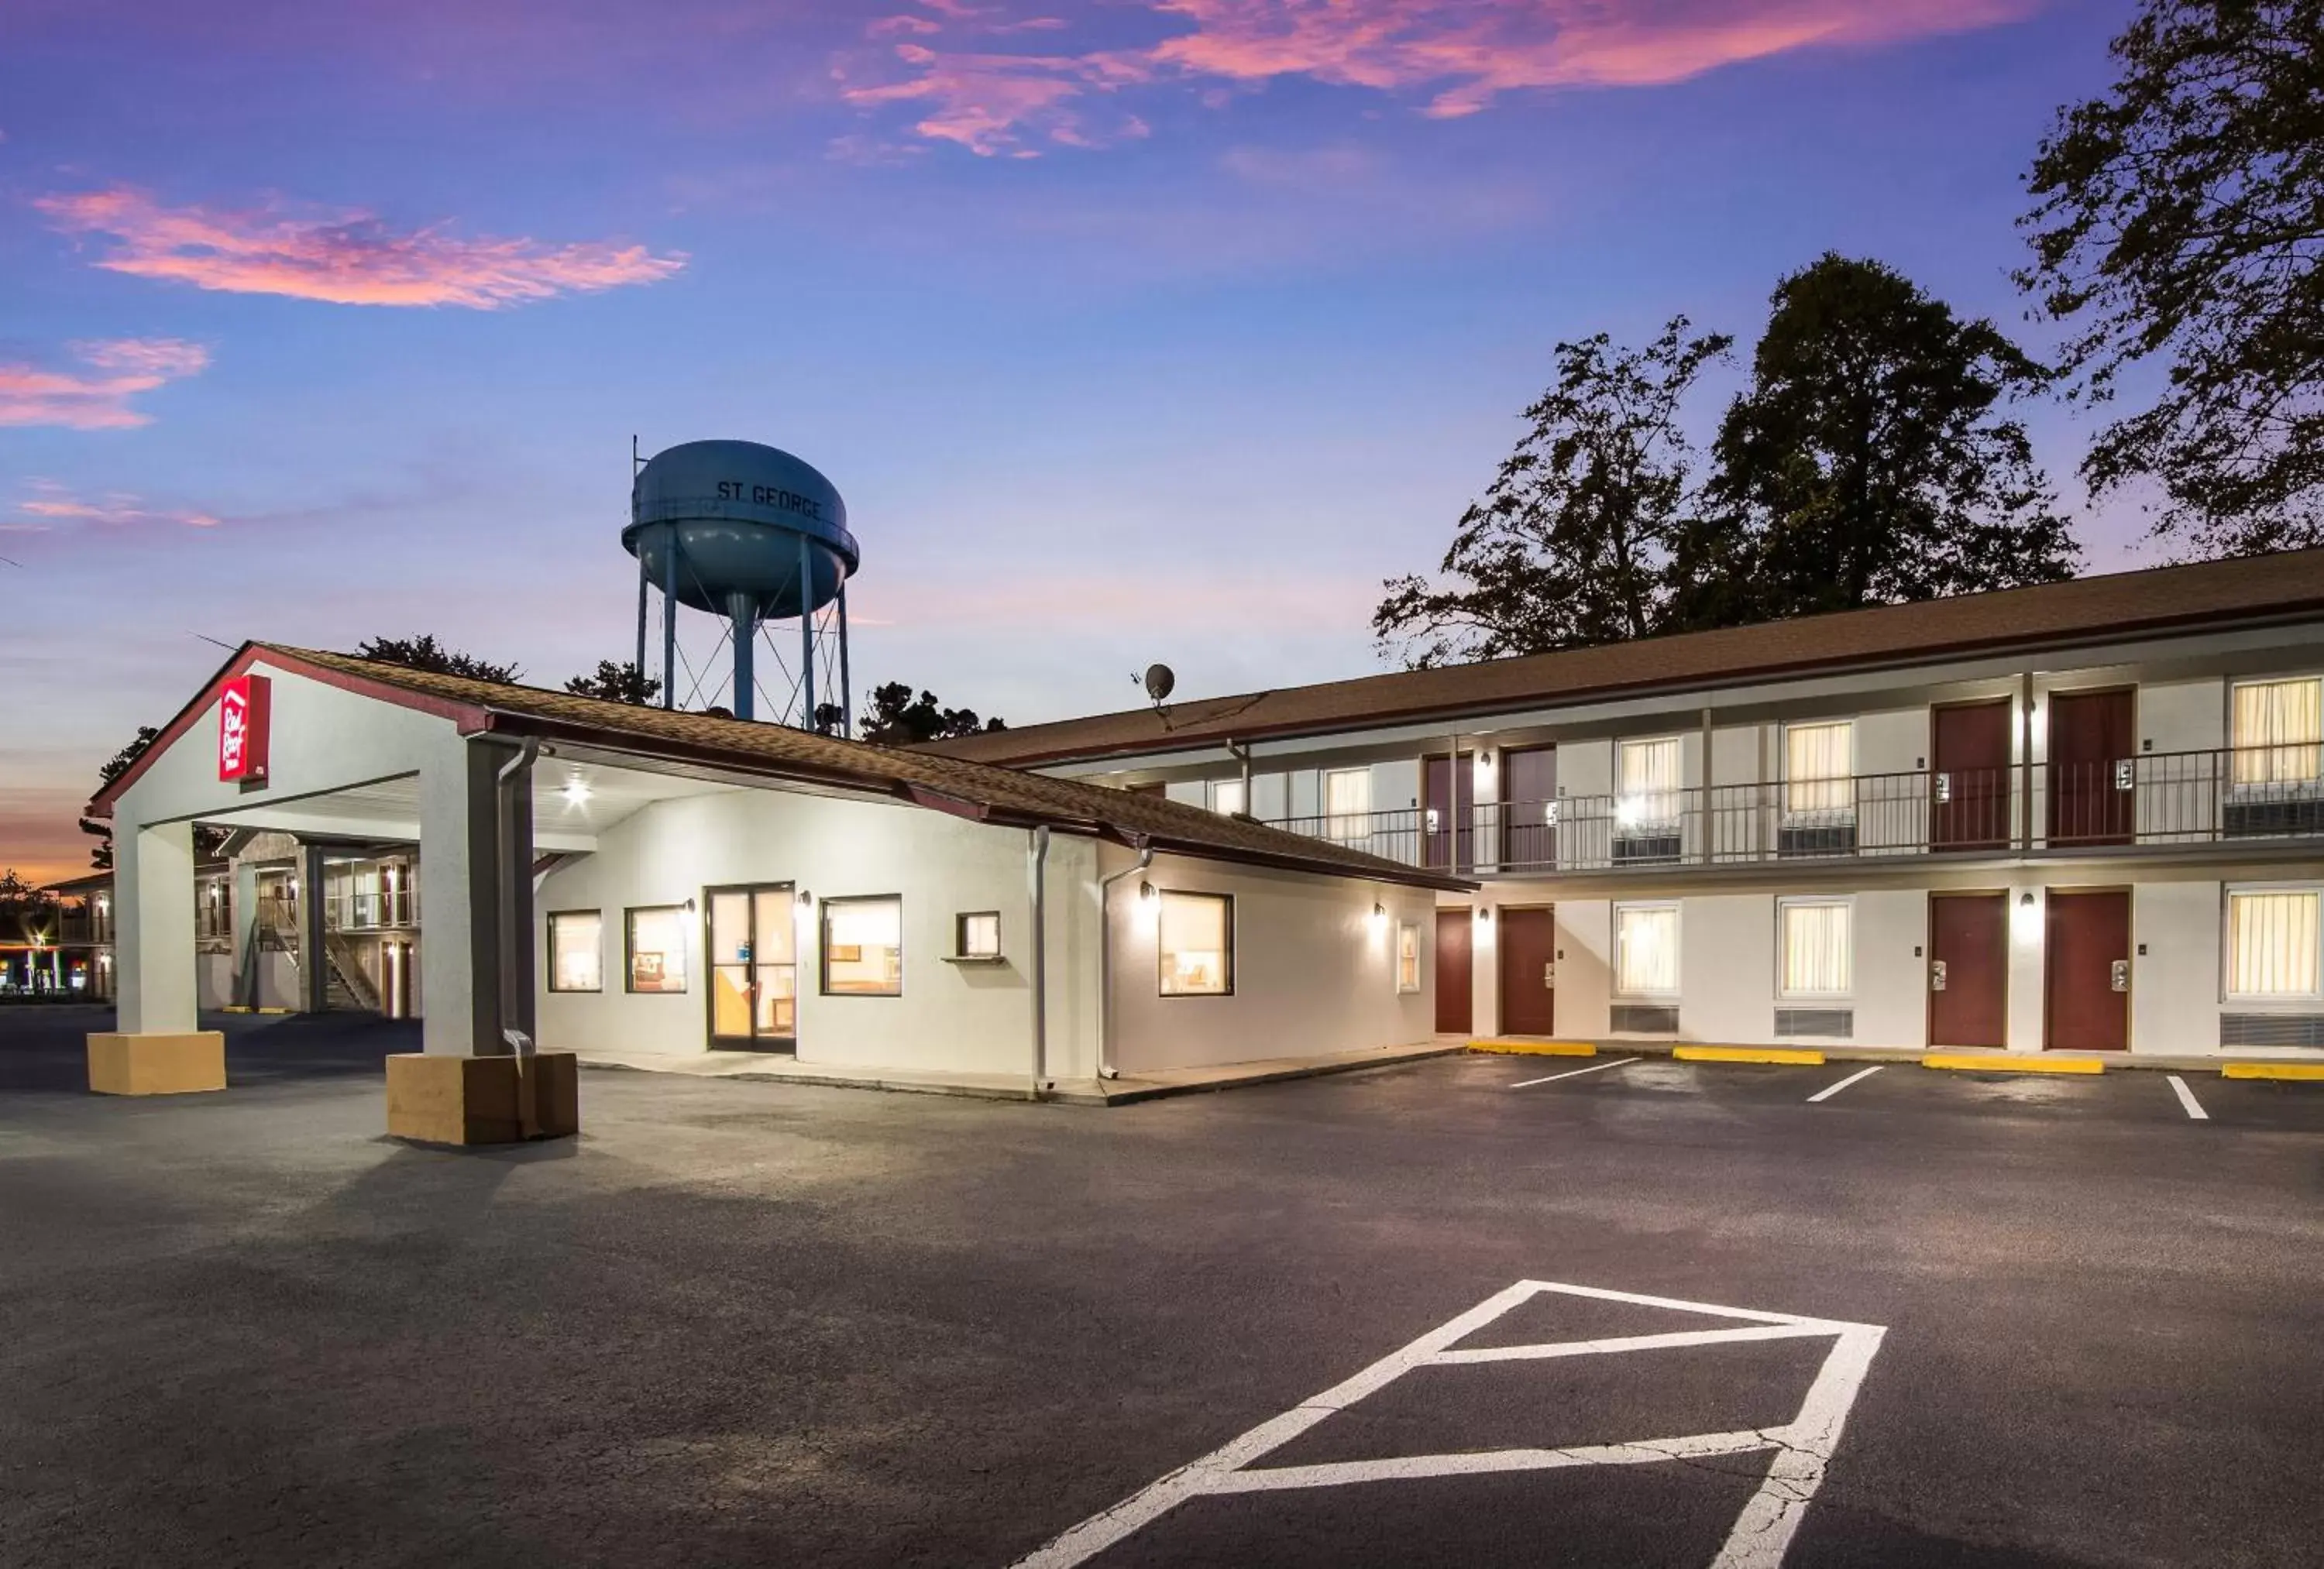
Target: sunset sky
column 1130, row 330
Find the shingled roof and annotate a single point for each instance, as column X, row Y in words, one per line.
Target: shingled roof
column 979, row 791
column 2088, row 610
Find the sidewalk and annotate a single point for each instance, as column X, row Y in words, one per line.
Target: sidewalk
column 768, row 1069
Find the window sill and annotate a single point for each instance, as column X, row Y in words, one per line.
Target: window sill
column 972, row 959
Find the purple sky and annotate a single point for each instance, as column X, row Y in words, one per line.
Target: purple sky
column 1130, row 330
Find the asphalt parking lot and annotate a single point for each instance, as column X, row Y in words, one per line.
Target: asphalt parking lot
column 2060, row 1321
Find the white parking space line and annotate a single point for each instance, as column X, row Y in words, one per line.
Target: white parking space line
column 1575, row 1072
column 1761, row 1536
column 2187, row 1099
column 1829, row 1090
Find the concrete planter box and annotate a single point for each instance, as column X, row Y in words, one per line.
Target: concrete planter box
column 187, row 1064
column 438, row 1099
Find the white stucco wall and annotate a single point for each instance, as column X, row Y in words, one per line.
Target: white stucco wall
column 2182, row 716
column 1585, row 948
column 2175, row 983
column 1313, row 972
column 963, row 1018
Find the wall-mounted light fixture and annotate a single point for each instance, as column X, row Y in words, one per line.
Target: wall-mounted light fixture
column 1484, row 912
column 805, row 898
column 2026, row 920
column 1146, row 893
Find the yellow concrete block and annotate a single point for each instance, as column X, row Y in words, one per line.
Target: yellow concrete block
column 1787, row 1056
column 1535, row 1048
column 2011, row 1062
column 187, row 1064
column 441, row 1099
column 2285, row 1071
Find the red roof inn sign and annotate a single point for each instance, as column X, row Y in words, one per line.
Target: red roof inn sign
column 243, row 710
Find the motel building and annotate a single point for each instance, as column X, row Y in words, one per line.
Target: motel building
column 538, row 877
column 2085, row 817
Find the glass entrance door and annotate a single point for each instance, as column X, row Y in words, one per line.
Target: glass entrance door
column 753, row 968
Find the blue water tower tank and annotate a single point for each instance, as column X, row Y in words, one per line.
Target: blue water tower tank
column 748, row 533
column 735, row 514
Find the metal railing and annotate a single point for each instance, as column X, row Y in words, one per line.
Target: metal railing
column 2176, row 798
column 386, row 910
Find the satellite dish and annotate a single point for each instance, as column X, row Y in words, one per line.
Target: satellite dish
column 1159, row 680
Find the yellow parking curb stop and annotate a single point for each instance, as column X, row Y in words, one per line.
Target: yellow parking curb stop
column 1535, row 1048
column 2292, row 1071
column 2010, row 1062
column 1787, row 1056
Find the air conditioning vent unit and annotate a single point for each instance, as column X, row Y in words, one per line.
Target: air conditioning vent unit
column 1645, row 1018
column 2299, row 814
column 1825, row 1024
column 2272, row 1028
column 1819, row 838
column 1659, row 846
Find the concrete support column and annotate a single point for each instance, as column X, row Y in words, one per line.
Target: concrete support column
column 460, row 974
column 314, row 962
column 153, row 907
column 245, row 934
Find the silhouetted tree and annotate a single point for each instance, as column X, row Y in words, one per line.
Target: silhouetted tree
column 424, row 652
column 1867, row 462
column 621, row 682
column 897, row 719
column 2179, row 219
column 1577, row 537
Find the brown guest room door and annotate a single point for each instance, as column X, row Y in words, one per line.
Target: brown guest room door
column 1453, row 972
column 2087, row 972
column 2090, row 764
column 1529, row 972
column 1968, row 969
column 1968, row 807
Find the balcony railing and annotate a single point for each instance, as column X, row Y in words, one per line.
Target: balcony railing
column 387, row 910
column 2178, row 798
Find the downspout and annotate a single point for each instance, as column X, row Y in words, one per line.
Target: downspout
column 1240, row 752
column 1036, row 870
column 512, row 812
column 1105, row 1068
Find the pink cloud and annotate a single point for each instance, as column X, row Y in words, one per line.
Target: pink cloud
column 342, row 259
column 98, row 397
column 51, row 504
column 1464, row 53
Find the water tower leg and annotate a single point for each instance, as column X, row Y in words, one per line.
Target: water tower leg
column 643, row 582
column 807, row 641
column 743, row 611
column 670, row 626
column 846, row 687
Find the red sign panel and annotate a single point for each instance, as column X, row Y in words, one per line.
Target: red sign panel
column 242, row 713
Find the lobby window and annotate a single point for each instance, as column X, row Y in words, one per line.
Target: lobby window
column 1227, row 797
column 1818, row 939
column 1197, row 945
column 1819, row 763
column 978, row 935
column 1348, row 803
column 2278, row 728
column 1649, row 781
column 657, row 947
column 575, row 955
column 1407, row 956
column 1645, row 950
column 863, row 946
column 2271, row 943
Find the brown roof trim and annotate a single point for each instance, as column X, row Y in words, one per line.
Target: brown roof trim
column 2082, row 612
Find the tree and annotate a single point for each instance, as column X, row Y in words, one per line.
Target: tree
column 425, row 652
column 896, row 719
column 621, row 682
column 1866, row 463
column 100, row 856
column 25, row 911
column 1576, row 541
column 2177, row 219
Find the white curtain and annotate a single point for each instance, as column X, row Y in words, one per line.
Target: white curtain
column 2272, row 948
column 1348, row 798
column 2278, row 727
column 1818, row 763
column 1650, row 772
column 1646, row 949
column 1819, row 949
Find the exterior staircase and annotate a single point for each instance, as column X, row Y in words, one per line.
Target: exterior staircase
column 345, row 984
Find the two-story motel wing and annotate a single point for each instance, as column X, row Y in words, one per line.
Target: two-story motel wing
column 2085, row 816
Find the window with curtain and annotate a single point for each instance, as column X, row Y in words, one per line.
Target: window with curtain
column 1347, row 801
column 1818, row 947
column 1227, row 797
column 1645, row 950
column 1197, row 945
column 2271, row 943
column 2278, row 726
column 1819, row 763
column 1648, row 777
column 575, row 962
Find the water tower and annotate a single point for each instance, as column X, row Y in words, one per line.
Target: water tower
column 753, row 537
